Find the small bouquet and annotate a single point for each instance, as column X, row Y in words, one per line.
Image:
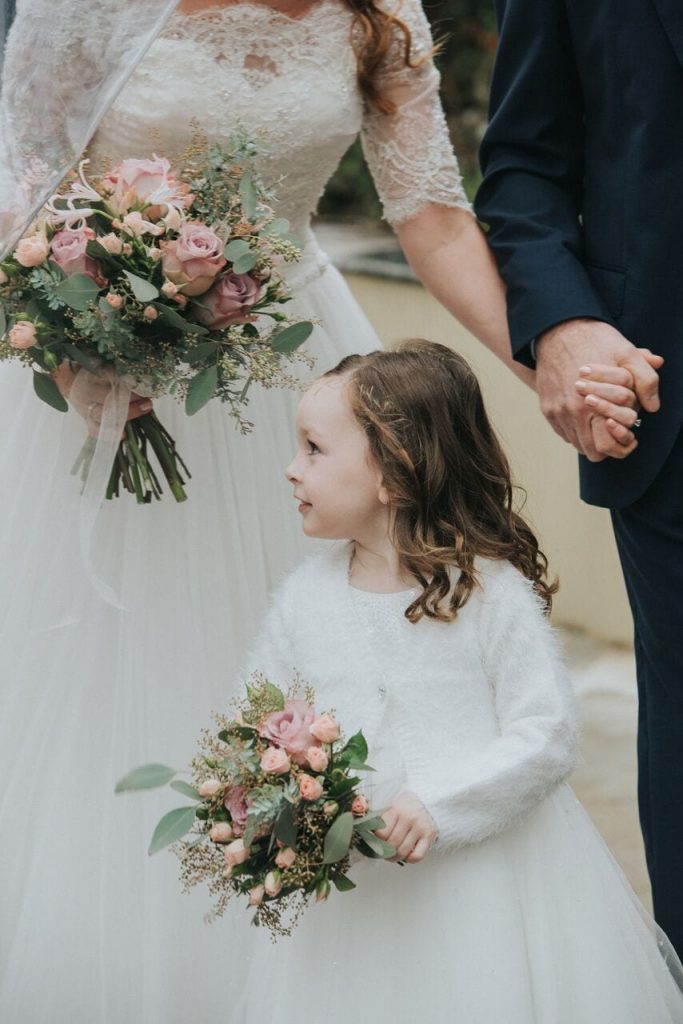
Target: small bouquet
column 160, row 282
column 277, row 808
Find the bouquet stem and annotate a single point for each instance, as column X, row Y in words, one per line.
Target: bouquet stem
column 132, row 468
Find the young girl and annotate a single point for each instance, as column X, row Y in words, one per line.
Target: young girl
column 425, row 627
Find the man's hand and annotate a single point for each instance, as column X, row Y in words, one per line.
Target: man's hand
column 561, row 354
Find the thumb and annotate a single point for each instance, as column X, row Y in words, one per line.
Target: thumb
column 655, row 361
column 645, row 380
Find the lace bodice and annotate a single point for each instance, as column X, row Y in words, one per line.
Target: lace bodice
column 292, row 84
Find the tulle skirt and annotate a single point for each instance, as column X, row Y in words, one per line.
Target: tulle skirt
column 535, row 926
column 91, row 929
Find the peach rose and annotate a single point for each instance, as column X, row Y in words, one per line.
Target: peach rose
column 330, row 808
column 285, row 857
column 359, row 807
column 194, row 259
column 275, row 761
column 22, row 335
column 69, row 251
column 256, row 895
column 221, row 833
column 235, row 853
column 325, row 729
column 322, row 890
column 112, row 243
column 290, row 728
column 169, row 289
column 209, row 788
column 150, row 313
column 310, row 788
column 32, row 251
column 273, row 883
column 114, row 300
column 139, row 179
column 230, row 301
column 317, row 758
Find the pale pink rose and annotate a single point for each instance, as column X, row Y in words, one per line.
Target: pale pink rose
column 290, row 728
column 275, row 761
column 317, row 758
column 310, row 788
column 359, row 807
column 209, row 788
column 322, row 891
column 69, row 253
column 237, row 803
column 221, row 833
column 194, row 258
column 330, row 808
column 112, row 243
column 169, row 289
column 114, row 300
column 285, row 858
column 150, row 313
column 22, row 335
column 230, row 301
column 256, row 895
column 272, row 883
column 140, row 177
column 235, row 853
column 325, row 729
column 32, row 251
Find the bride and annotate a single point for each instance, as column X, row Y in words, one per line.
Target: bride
column 91, row 930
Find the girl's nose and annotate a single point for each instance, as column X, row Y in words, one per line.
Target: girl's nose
column 290, row 472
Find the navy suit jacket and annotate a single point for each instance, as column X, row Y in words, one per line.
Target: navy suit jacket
column 583, row 191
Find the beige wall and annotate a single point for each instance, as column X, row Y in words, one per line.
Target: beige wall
column 577, row 538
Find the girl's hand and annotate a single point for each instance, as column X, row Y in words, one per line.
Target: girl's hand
column 410, row 828
column 93, row 396
column 609, row 392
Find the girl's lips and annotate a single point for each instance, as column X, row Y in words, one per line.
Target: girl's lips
column 304, row 505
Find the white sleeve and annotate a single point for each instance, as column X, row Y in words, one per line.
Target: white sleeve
column 409, row 152
column 537, row 717
column 271, row 654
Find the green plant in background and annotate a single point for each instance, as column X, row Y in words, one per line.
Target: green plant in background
column 466, row 30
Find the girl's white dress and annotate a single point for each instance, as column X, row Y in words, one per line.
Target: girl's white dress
column 91, row 930
column 519, row 914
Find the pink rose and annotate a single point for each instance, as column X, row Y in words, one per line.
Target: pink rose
column 273, row 883
column 69, row 253
column 141, row 177
column 112, row 243
column 150, row 313
column 192, row 261
column 209, row 788
column 237, row 803
column 285, row 857
column 291, row 728
column 325, row 729
column 317, row 758
column 169, row 289
column 114, row 300
column 275, row 761
column 235, row 853
column 32, row 251
column 221, row 833
column 359, row 807
column 230, row 301
column 256, row 895
column 310, row 788
column 22, row 335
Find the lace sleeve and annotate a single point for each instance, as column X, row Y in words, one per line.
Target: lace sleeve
column 409, row 152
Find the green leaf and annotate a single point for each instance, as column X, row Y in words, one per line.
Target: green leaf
column 233, row 250
column 74, row 353
column 279, row 226
column 3, row 321
column 290, row 338
column 201, row 390
column 186, row 789
column 285, row 826
column 245, row 263
column 343, row 884
column 338, row 839
column 275, row 695
column 174, row 319
column 207, row 348
column 149, row 776
column 370, row 823
column 378, row 847
column 172, row 827
column 248, row 194
column 47, row 390
column 77, row 292
column 356, row 747
column 144, row 291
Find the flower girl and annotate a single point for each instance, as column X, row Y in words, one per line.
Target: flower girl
column 427, row 628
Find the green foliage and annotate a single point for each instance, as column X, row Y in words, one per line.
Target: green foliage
column 149, row 776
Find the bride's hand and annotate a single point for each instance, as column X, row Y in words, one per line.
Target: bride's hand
column 409, row 828
column 92, row 394
column 609, row 392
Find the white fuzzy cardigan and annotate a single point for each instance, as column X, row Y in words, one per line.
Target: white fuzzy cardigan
column 483, row 709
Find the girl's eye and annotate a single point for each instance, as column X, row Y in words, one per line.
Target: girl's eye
column 312, row 448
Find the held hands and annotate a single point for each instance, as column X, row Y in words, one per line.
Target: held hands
column 92, row 396
column 410, row 828
column 590, row 381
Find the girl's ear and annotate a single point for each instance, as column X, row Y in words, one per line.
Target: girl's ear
column 383, row 495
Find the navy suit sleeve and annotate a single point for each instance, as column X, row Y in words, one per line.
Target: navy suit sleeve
column 532, row 161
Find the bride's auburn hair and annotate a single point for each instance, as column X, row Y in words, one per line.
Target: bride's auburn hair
column 447, row 476
column 374, row 32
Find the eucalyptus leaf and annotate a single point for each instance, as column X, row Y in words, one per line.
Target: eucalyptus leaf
column 149, row 776
column 356, row 747
column 370, row 823
column 201, row 390
column 275, row 695
column 233, row 250
column 248, row 194
column 77, row 356
column 77, row 291
column 207, row 348
column 186, row 789
column 144, row 291
column 285, row 826
column 338, row 839
column 47, row 390
column 172, row 827
column 174, row 319
column 292, row 337
column 378, row 846
column 343, row 884
column 245, row 263
column 279, row 226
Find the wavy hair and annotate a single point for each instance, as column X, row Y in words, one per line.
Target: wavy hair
column 449, row 481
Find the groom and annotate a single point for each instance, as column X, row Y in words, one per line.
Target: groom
column 583, row 196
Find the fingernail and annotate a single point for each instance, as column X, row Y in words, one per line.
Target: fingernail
column 581, row 385
column 591, row 399
column 584, row 371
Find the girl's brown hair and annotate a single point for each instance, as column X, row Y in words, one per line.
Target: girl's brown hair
column 446, row 473
column 373, row 32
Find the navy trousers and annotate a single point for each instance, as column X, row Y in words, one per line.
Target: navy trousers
column 649, row 536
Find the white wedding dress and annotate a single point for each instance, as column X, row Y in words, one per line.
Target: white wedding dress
column 91, row 930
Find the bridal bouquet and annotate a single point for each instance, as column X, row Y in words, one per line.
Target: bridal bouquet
column 276, row 807
column 158, row 282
